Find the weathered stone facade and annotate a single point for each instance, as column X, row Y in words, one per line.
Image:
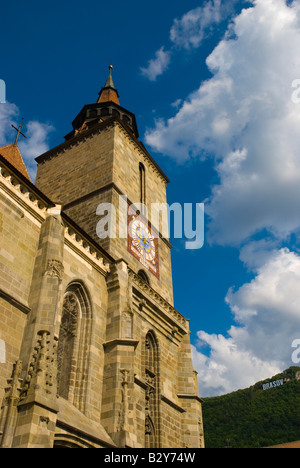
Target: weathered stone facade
column 93, row 353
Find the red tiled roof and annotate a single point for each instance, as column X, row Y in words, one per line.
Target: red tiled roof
column 109, row 95
column 12, row 154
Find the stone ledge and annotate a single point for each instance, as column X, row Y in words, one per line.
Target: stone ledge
column 25, row 194
column 121, row 342
column 172, row 404
column 190, row 396
column 75, row 422
column 15, row 302
column 83, row 248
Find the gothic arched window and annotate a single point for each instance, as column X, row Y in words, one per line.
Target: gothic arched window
column 73, row 341
column 67, row 334
column 149, row 433
column 152, row 391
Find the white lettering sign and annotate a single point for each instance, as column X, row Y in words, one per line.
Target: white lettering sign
column 274, row 384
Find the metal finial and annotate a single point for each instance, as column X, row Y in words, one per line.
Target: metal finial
column 19, row 131
column 109, row 83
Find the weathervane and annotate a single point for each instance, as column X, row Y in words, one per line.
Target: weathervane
column 19, row 131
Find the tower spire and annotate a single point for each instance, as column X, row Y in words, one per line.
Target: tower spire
column 109, row 82
column 109, row 93
column 106, row 107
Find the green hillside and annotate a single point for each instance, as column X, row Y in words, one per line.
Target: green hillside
column 253, row 417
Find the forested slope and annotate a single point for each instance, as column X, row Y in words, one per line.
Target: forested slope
column 253, row 417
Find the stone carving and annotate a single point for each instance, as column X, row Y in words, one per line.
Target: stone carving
column 41, row 375
column 148, row 397
column 9, row 406
column 149, row 428
column 44, row 422
column 123, row 414
column 15, row 381
column 55, row 269
column 12, row 391
column 150, row 378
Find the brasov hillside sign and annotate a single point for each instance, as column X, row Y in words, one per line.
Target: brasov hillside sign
column 273, row 384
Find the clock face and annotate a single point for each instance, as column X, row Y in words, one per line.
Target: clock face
column 143, row 242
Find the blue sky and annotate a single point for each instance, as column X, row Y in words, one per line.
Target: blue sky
column 210, row 83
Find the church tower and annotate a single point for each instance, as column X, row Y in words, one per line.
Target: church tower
column 103, row 162
column 100, row 302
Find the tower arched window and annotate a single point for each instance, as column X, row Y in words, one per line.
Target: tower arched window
column 116, row 113
column 93, row 113
column 105, row 111
column 126, row 119
column 73, row 341
column 142, row 173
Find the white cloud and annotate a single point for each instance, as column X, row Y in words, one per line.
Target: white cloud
column 190, row 30
column 275, row 289
column 8, row 114
column 267, row 316
column 158, row 65
column 228, row 368
column 36, row 143
column 176, row 104
column 245, row 117
column 257, row 253
column 37, row 134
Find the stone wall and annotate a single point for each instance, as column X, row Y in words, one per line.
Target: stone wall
column 19, row 234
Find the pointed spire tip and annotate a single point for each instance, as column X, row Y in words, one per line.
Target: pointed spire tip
column 109, row 93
